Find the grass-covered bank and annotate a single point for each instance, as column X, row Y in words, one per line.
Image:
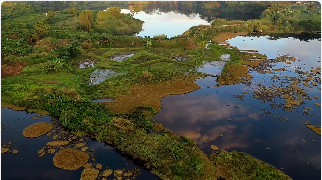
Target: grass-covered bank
column 64, row 92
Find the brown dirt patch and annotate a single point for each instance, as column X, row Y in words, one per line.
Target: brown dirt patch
column 70, row 159
column 316, row 129
column 151, row 94
column 87, row 45
column 252, row 63
column 12, row 69
column 37, row 129
column 227, row 35
column 13, row 36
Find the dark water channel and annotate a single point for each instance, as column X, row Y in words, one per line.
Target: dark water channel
column 247, row 124
column 27, row 164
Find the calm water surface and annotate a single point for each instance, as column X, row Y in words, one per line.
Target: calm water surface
column 203, row 114
column 28, row 165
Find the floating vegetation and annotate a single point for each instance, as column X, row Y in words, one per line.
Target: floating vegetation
column 37, row 129
column 100, row 75
column 4, row 150
column 232, row 74
column 215, row 148
column 89, row 174
column 107, row 172
column 78, row 145
column 99, row 166
column 316, row 129
column 70, row 159
column 57, row 143
column 118, row 173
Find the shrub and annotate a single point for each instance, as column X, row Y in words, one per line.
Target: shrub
column 55, row 65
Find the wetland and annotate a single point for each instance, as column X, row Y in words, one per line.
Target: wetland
column 121, row 90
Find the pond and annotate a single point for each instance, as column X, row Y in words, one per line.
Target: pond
column 27, row 164
column 170, row 23
column 271, row 134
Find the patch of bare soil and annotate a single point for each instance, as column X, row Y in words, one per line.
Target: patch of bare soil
column 227, row 35
column 12, row 69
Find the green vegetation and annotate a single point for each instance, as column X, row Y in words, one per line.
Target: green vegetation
column 49, row 43
column 237, row 165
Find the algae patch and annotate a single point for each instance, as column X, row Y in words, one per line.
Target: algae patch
column 89, row 174
column 70, row 159
column 4, row 150
column 57, row 143
column 316, row 129
column 37, row 129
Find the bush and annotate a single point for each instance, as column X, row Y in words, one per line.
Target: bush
column 55, row 65
column 69, row 51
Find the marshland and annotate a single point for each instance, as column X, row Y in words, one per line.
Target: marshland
column 161, row 90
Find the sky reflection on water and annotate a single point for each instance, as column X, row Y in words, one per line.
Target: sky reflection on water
column 203, row 114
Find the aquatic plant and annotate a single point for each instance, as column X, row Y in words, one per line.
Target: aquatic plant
column 37, row 129
column 89, row 174
column 70, row 159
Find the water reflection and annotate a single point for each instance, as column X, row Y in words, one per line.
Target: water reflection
column 170, row 23
column 26, row 164
column 247, row 124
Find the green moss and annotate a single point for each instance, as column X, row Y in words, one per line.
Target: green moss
column 237, row 165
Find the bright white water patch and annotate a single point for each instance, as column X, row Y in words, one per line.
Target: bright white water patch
column 121, row 57
column 225, row 57
column 213, row 68
column 86, row 64
column 100, row 75
column 170, row 23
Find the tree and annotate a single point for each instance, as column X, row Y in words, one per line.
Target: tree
column 86, row 20
column 50, row 15
column 41, row 29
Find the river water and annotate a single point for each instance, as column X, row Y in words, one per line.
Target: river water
column 201, row 115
